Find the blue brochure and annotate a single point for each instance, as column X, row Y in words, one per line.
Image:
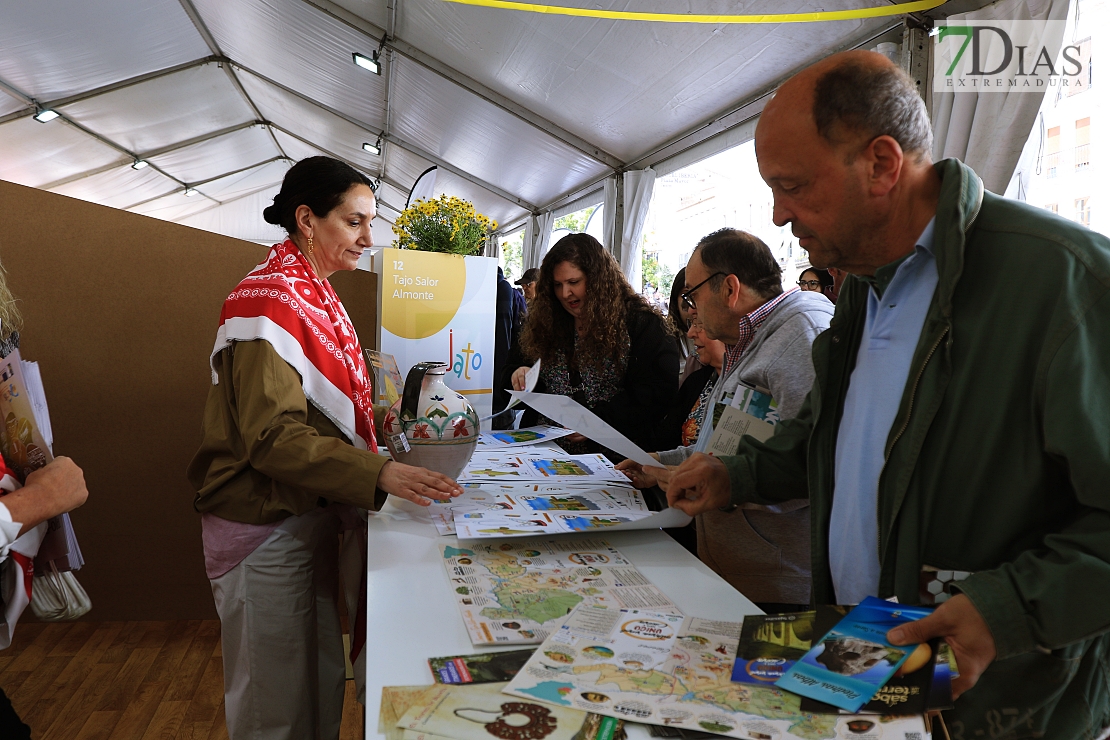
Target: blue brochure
column 854, row 660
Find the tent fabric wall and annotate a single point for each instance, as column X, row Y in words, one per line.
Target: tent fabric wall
column 988, row 131
column 121, row 312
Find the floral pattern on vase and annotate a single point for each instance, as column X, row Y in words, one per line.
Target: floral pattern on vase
column 439, row 426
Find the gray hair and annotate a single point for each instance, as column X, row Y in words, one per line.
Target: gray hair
column 874, row 101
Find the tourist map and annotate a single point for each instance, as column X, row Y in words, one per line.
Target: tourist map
column 518, row 593
column 661, row 669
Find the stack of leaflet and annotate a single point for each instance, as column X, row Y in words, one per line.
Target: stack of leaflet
column 528, row 491
column 536, row 508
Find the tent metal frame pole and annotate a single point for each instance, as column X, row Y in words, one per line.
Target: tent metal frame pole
column 263, row 163
column 506, row 195
column 92, row 134
column 468, row 83
column 210, row 41
column 333, row 155
column 153, row 153
column 105, row 89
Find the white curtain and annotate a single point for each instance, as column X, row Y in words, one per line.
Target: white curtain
column 626, row 245
column 638, row 187
column 493, row 246
column 537, row 238
column 988, row 131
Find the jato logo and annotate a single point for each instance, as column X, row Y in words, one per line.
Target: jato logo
column 1007, row 56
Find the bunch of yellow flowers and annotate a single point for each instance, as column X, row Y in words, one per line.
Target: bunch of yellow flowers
column 443, row 224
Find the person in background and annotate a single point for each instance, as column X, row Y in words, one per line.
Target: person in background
column 49, row 491
column 734, row 289
column 684, row 421
column 816, row 280
column 600, row 342
column 508, row 317
column 527, row 283
column 955, row 448
column 679, row 314
column 289, row 453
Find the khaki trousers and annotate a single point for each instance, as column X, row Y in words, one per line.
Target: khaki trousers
column 282, row 639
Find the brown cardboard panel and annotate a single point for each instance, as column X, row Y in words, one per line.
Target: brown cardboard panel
column 121, row 311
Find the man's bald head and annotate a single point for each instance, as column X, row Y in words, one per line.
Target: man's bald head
column 856, row 96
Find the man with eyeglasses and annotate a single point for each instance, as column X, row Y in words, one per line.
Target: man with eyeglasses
column 734, row 291
column 955, row 448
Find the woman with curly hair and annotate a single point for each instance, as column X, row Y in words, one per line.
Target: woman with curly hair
column 600, row 343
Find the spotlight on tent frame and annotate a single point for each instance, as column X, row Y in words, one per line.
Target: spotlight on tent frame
column 375, row 148
column 45, row 115
column 190, row 192
column 370, row 63
column 139, row 164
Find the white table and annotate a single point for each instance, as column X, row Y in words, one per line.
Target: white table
column 411, row 610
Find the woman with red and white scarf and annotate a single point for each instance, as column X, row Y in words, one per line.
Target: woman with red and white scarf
column 289, row 456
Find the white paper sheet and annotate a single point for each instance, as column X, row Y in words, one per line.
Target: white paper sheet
column 573, row 415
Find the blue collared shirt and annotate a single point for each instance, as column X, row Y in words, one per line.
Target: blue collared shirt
column 896, row 306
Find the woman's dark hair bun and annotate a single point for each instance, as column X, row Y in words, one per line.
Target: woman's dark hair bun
column 317, row 182
column 272, row 213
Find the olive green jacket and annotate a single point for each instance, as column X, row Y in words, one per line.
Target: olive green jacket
column 267, row 452
column 998, row 462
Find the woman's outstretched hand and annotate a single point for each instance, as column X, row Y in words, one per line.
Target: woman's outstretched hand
column 419, row 485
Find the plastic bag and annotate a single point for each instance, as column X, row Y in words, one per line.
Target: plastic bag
column 58, row 597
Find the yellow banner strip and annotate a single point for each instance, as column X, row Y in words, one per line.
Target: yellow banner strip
column 623, row 15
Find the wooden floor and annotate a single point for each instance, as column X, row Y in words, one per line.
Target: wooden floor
column 125, row 681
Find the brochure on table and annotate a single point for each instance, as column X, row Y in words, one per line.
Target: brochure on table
column 518, row 592
column 440, row 307
column 529, row 498
column 539, row 465
column 661, row 669
column 525, row 437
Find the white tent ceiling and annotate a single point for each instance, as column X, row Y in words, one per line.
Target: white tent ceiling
column 520, row 111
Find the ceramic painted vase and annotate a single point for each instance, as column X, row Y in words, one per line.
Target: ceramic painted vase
column 431, row 425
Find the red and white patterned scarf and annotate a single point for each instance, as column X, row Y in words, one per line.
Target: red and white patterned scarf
column 284, row 302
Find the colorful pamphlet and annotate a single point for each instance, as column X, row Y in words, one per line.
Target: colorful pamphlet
column 517, row 592
column 481, row 712
column 853, row 660
column 907, row 692
column 522, row 437
column 480, row 668
column 545, row 465
column 770, row 644
column 662, row 669
column 527, row 498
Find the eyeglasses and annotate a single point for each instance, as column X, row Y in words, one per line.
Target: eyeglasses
column 688, row 296
column 809, row 284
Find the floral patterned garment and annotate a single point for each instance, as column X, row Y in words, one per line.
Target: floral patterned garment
column 589, row 386
column 692, row 426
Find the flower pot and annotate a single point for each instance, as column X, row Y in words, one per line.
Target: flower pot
column 431, row 425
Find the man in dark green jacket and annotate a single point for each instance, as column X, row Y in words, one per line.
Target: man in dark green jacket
column 991, row 492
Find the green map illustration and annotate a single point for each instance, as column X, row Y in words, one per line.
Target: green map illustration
column 515, row 592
